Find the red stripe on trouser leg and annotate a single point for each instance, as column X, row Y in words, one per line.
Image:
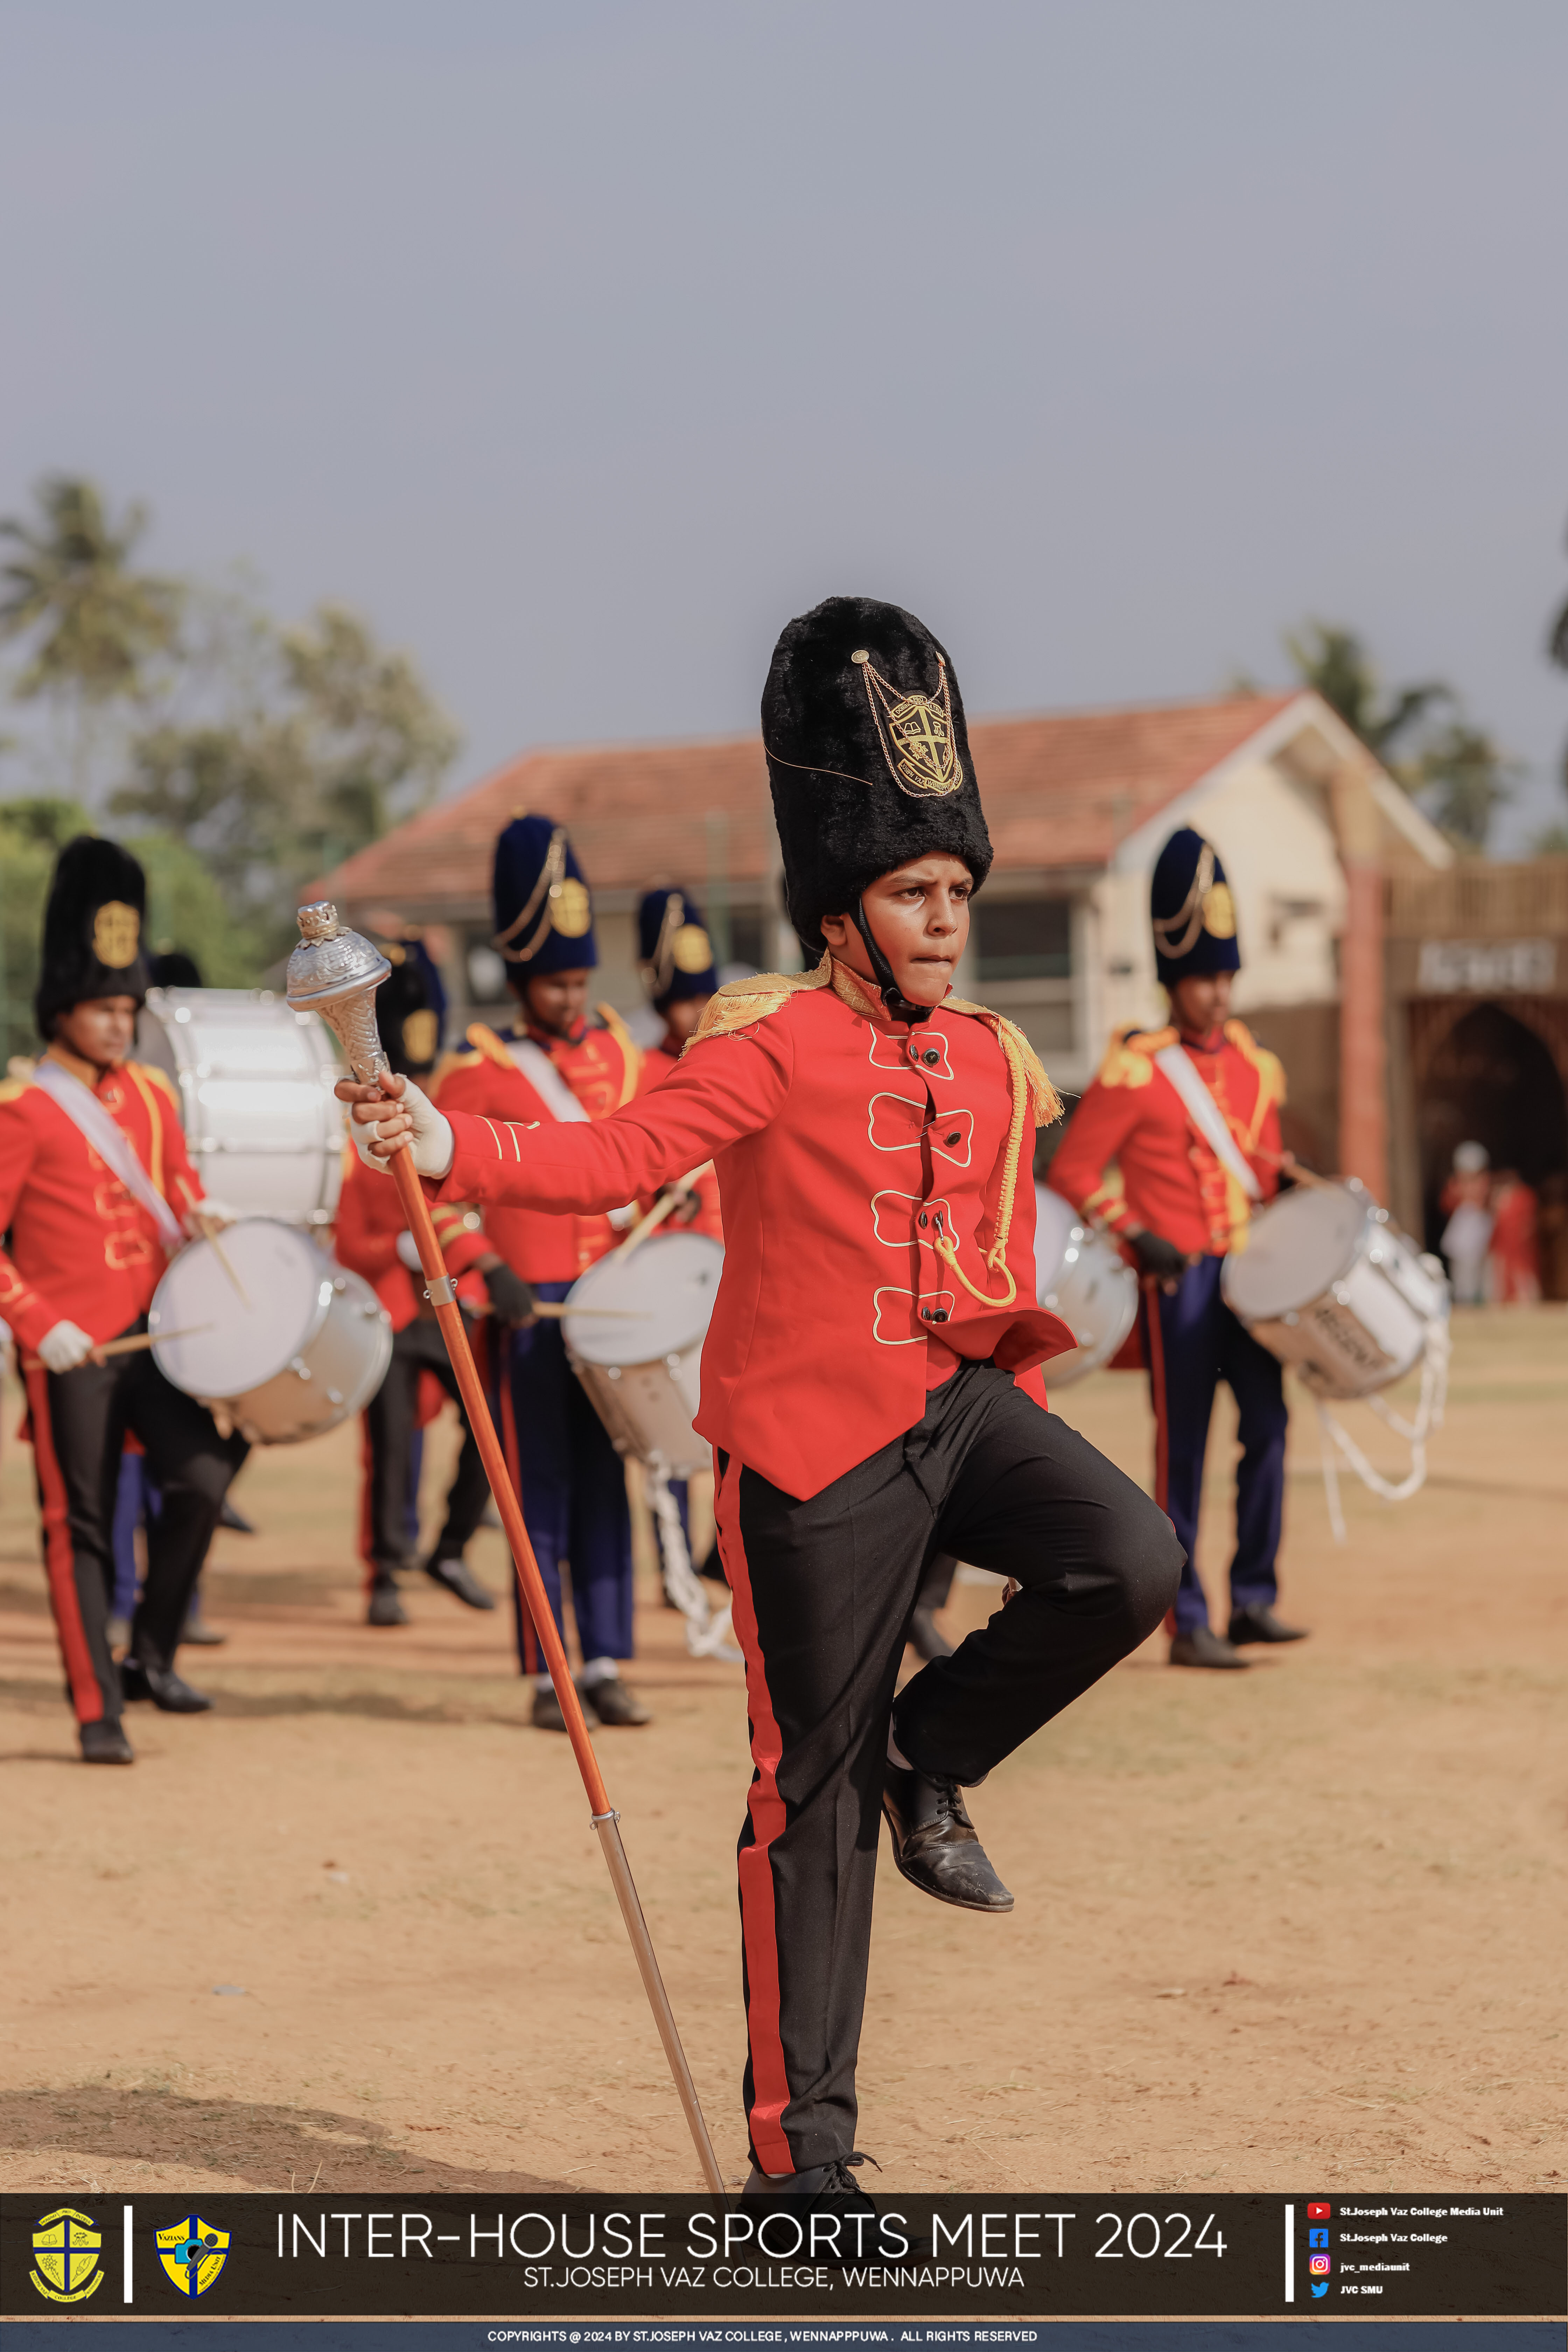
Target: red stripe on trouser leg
column 366, row 1516
column 759, row 1924
column 1156, row 1352
column 59, row 1558
column 531, row 1665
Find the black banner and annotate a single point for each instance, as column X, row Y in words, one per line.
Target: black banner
column 629, row 2260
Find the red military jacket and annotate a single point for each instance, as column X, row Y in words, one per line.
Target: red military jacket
column 851, row 1154
column 370, row 1220
column 601, row 1068
column 1132, row 1155
column 82, row 1249
column 709, row 1219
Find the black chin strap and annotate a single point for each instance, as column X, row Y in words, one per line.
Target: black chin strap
column 893, row 997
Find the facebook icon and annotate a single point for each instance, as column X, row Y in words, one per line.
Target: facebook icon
column 1317, row 2237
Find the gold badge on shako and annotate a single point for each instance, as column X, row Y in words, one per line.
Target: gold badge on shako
column 1219, row 912
column 421, row 1034
column 65, row 2247
column 571, row 910
column 192, row 2253
column 915, row 731
column 691, row 949
column 116, row 934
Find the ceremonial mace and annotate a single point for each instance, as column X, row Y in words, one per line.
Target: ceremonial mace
column 336, row 973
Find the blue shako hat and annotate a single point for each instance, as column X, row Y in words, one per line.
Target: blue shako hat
column 673, row 947
column 544, row 915
column 1192, row 910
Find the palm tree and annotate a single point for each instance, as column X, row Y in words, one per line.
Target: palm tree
column 1336, row 663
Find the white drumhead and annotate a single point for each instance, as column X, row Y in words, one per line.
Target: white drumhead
column 1056, row 1221
column 1296, row 1249
column 663, row 1292
column 236, row 1344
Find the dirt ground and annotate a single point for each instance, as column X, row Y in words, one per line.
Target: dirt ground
column 1302, row 1925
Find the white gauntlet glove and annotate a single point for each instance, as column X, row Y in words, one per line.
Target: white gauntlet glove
column 65, row 1347
column 407, row 1250
column 431, row 1142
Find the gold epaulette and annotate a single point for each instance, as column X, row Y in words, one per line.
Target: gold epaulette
column 458, row 1057
column 1044, row 1103
column 1129, row 1056
column 487, row 1046
column 1270, row 1072
column 631, row 1053
column 11, row 1088
column 741, row 1003
column 159, row 1077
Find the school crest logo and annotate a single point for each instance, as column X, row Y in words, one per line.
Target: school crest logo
column 192, row 2253
column 65, row 2247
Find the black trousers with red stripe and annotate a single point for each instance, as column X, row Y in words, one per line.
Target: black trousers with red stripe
column 80, row 1420
column 822, row 1592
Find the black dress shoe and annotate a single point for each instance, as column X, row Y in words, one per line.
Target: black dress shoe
column 821, row 2187
column 457, row 1577
column 383, row 1607
column 1262, row 1625
column 612, row 1703
column 168, row 1691
column 104, row 1743
column 926, row 1637
column 230, row 1518
column 546, row 1714
column 934, row 1842
column 1204, row 1647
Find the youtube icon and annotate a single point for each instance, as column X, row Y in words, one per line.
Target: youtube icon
column 1318, row 2212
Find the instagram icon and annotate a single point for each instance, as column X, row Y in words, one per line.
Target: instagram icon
column 1320, row 2265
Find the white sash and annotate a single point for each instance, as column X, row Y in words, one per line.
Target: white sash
column 1207, row 1117
column 558, row 1099
column 111, row 1143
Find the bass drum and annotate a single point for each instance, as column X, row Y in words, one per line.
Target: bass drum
column 1329, row 1284
column 1081, row 1275
column 639, row 1354
column 255, row 1081
column 285, row 1342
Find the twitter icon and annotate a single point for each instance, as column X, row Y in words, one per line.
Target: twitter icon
column 1319, row 2286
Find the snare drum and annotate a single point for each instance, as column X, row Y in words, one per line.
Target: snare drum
column 255, row 1081
column 1330, row 1284
column 308, row 1345
column 1081, row 1275
column 641, row 1365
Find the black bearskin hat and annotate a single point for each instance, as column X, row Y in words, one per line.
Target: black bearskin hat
column 867, row 756
column 545, row 914
column 92, row 929
column 173, row 969
column 673, row 947
column 1192, row 910
column 409, row 1006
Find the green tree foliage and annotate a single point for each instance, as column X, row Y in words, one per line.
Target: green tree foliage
column 1554, row 842
column 1457, row 772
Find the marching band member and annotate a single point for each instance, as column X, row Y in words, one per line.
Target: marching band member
column 372, row 1240
column 558, row 1066
column 870, row 1379
column 1190, row 1115
column 97, row 1193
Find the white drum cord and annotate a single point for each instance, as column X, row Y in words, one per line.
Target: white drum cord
column 707, row 1631
column 1337, row 1442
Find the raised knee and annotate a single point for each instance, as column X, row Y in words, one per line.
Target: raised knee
column 1148, row 1559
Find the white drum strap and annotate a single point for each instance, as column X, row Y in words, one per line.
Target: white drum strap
column 1207, row 1117
column 706, row 1633
column 1337, row 1440
column 111, row 1143
column 559, row 1100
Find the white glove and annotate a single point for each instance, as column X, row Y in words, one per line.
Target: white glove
column 65, row 1347
column 207, row 1216
column 408, row 1252
column 432, row 1144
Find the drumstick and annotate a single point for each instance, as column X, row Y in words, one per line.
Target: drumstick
column 660, row 1210
column 209, row 1234
column 128, row 1347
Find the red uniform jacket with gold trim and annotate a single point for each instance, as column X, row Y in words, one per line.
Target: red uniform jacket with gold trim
column 370, row 1220
column 82, row 1249
column 1133, row 1156
column 601, row 1066
column 656, row 1066
column 844, row 1146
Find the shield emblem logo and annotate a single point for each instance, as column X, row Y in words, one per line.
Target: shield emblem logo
column 192, row 2253
column 66, row 2245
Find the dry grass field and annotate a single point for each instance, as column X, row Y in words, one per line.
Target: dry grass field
column 1304, row 1925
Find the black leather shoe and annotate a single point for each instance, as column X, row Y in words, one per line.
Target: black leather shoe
column 822, row 2187
column 168, row 1691
column 926, row 1637
column 546, row 1714
column 934, row 1842
column 1262, row 1625
column 459, row 1579
column 104, row 1743
column 612, row 1703
column 1204, row 1647
column 383, row 1607
column 230, row 1518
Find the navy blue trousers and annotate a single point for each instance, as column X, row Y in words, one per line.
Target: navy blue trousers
column 1197, row 1344
column 574, row 1487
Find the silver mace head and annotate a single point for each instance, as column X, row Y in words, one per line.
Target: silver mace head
column 336, row 973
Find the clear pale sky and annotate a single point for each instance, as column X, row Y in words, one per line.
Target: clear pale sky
column 580, row 343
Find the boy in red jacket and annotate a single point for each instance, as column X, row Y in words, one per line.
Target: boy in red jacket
column 870, row 1380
